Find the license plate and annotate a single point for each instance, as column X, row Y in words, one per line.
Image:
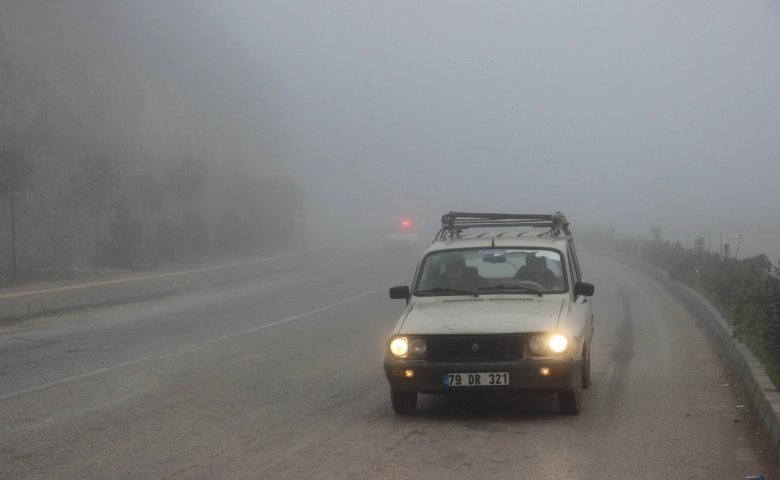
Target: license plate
column 476, row 379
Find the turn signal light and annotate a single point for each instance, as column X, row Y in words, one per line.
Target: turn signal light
column 546, row 371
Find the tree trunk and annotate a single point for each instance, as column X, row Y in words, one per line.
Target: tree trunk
column 97, row 241
column 13, row 236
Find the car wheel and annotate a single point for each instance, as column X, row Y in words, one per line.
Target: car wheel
column 403, row 402
column 586, row 382
column 570, row 401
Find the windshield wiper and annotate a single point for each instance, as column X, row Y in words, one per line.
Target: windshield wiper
column 436, row 290
column 509, row 286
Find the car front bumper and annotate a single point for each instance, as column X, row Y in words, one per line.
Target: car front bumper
column 524, row 375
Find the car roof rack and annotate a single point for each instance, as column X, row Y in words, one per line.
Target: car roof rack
column 453, row 223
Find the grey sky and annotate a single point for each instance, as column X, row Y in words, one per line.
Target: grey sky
column 620, row 113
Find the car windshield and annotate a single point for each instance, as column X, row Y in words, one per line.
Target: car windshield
column 488, row 271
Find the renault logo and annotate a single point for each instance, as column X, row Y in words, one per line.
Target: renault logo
column 475, row 347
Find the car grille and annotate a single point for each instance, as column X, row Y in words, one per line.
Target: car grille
column 461, row 348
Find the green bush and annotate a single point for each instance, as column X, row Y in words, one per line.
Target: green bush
column 746, row 291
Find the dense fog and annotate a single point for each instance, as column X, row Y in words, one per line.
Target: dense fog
column 336, row 119
column 659, row 114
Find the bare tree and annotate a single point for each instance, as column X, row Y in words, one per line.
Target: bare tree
column 91, row 187
column 186, row 180
column 147, row 191
column 699, row 245
column 125, row 236
column 16, row 176
column 656, row 232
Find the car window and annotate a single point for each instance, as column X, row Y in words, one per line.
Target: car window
column 572, row 269
column 470, row 269
column 576, row 262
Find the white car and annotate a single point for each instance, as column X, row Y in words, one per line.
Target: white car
column 501, row 311
column 402, row 236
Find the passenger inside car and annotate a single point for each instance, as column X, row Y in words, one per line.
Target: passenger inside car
column 536, row 270
column 458, row 276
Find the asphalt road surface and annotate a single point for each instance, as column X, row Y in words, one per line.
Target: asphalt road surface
column 281, row 378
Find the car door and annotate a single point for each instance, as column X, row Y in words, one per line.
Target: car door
column 582, row 305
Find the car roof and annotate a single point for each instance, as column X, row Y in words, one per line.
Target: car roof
column 500, row 239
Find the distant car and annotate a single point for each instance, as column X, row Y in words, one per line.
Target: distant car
column 402, row 236
column 498, row 311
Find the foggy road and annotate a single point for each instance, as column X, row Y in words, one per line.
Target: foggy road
column 281, row 378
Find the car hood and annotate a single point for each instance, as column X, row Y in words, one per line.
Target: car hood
column 448, row 315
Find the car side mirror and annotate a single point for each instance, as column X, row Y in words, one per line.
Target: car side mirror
column 583, row 289
column 399, row 293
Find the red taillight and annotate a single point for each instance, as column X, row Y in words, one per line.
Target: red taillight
column 406, row 223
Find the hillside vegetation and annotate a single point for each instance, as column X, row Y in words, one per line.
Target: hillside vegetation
column 746, row 290
column 150, row 87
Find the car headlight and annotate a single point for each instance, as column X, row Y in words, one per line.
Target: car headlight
column 399, row 346
column 538, row 344
column 417, row 346
column 558, row 343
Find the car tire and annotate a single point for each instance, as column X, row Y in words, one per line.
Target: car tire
column 403, row 402
column 570, row 401
column 586, row 380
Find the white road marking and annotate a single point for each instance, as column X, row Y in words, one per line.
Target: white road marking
column 70, row 379
column 189, row 348
column 147, row 277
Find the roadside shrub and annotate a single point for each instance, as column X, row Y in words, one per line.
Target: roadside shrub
column 227, row 235
column 747, row 291
column 165, row 241
column 124, row 245
column 252, row 231
column 194, row 235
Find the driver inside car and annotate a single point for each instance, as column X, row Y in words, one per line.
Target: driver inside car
column 460, row 277
column 535, row 270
